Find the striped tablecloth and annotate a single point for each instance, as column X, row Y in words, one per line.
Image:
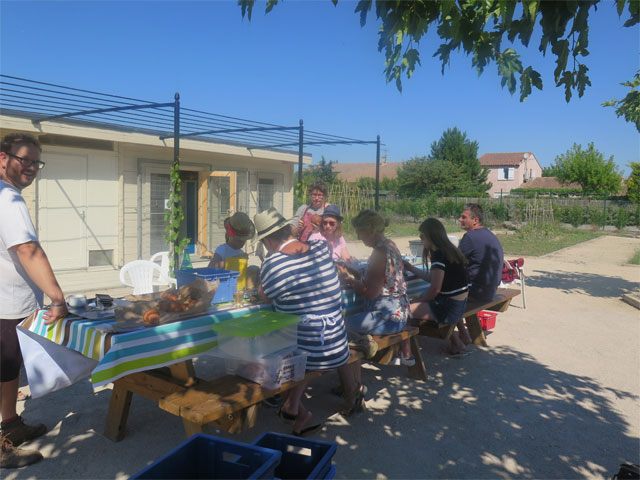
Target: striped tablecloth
column 119, row 354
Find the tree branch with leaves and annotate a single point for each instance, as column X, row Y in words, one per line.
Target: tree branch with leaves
column 480, row 29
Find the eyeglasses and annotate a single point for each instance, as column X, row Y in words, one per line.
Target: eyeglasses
column 329, row 222
column 317, row 194
column 26, row 163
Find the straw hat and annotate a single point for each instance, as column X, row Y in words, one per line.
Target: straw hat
column 268, row 222
column 239, row 225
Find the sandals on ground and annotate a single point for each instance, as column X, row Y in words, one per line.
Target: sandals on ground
column 305, row 432
column 286, row 417
column 290, row 419
column 353, row 402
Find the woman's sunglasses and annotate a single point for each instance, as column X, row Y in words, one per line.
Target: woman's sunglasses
column 329, row 222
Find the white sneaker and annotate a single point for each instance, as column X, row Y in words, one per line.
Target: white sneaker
column 400, row 360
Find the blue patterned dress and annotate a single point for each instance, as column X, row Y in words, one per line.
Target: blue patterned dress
column 307, row 284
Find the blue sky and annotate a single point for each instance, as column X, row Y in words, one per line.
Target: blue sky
column 311, row 60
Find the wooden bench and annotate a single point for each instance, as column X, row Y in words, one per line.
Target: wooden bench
column 499, row 303
column 229, row 403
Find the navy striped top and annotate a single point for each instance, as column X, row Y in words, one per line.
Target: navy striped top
column 305, row 283
column 456, row 279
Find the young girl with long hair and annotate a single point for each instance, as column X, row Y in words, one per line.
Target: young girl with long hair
column 446, row 299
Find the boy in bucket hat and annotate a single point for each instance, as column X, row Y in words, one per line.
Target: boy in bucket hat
column 238, row 229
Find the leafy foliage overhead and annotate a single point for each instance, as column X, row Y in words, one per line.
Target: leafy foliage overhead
column 588, row 168
column 629, row 106
column 487, row 31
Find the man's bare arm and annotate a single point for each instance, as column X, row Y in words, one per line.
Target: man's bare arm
column 37, row 266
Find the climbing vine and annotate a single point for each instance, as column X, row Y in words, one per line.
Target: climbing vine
column 173, row 217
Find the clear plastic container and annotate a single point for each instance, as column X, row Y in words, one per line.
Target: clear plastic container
column 272, row 370
column 256, row 334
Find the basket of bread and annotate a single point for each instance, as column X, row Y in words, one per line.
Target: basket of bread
column 169, row 306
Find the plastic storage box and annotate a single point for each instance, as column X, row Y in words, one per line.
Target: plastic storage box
column 206, row 456
column 256, row 334
column 270, row 371
column 487, row 319
column 301, row 457
column 228, row 281
column 416, row 247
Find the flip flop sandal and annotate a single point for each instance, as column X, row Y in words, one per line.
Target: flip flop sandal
column 286, row 417
column 305, row 432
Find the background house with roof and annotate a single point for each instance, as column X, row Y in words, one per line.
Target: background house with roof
column 510, row 170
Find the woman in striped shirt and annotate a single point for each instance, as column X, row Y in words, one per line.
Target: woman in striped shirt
column 300, row 278
column 446, row 298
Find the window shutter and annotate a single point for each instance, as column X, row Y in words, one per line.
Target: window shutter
column 501, row 174
column 512, row 173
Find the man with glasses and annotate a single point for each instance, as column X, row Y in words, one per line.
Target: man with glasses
column 25, row 273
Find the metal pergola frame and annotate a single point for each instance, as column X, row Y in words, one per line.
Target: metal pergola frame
column 45, row 102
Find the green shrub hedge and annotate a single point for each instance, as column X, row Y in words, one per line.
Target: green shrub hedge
column 512, row 210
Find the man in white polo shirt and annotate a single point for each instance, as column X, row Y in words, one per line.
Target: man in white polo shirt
column 25, row 273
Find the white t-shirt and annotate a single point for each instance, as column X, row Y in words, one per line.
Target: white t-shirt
column 19, row 296
column 225, row 251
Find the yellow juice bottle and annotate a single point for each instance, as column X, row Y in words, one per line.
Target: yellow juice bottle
column 238, row 264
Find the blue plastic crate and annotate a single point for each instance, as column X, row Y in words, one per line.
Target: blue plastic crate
column 228, row 281
column 206, row 456
column 331, row 474
column 301, row 457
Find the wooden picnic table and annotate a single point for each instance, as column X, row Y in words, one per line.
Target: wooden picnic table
column 499, row 303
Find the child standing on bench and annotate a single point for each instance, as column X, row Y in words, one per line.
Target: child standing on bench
column 446, row 299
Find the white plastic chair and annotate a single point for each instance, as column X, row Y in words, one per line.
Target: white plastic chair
column 165, row 278
column 142, row 276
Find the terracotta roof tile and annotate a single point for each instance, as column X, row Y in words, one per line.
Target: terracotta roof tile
column 498, row 159
column 351, row 172
column 548, row 182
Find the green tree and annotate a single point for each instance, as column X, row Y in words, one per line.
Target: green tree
column 633, row 183
column 588, row 168
column 487, row 32
column 550, row 171
column 366, row 183
column 322, row 171
column 369, row 183
column 455, row 148
column 629, row 106
column 421, row 176
column 452, row 165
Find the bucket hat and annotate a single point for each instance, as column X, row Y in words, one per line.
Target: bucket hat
column 332, row 211
column 268, row 222
column 239, row 225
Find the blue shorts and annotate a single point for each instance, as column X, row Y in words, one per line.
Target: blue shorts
column 447, row 310
column 376, row 319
